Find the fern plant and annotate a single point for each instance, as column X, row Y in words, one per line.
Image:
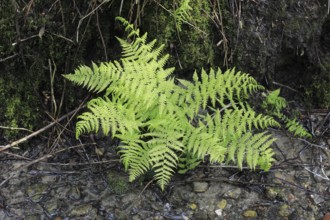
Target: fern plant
column 165, row 123
column 274, row 105
column 181, row 14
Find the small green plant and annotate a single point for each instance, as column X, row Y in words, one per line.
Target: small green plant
column 165, row 123
column 274, row 105
column 181, row 14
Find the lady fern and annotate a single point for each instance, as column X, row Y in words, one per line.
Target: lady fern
column 166, row 123
column 181, row 14
column 275, row 104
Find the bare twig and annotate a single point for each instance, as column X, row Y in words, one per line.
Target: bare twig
column 287, row 87
column 3, row 148
column 52, row 77
column 13, row 128
column 83, row 164
column 314, row 145
column 60, row 133
column 101, row 36
column 83, row 18
column 25, row 39
column 7, row 58
column 316, row 174
column 65, row 38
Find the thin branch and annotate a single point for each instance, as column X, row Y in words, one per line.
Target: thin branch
column 287, row 87
column 316, row 174
column 314, row 145
column 83, row 18
column 5, row 147
column 25, row 39
column 65, row 38
column 13, row 128
column 7, row 58
column 101, row 36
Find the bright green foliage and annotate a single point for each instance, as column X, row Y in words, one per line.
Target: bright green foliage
column 181, row 14
column 275, row 104
column 165, row 123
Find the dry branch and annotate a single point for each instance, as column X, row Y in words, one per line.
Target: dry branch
column 5, row 147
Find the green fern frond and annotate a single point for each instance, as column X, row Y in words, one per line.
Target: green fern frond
column 110, row 116
column 253, row 152
column 296, row 128
column 181, row 14
column 129, row 27
column 98, row 78
column 274, row 105
column 134, row 155
column 187, row 161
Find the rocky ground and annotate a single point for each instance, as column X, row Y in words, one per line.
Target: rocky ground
column 85, row 181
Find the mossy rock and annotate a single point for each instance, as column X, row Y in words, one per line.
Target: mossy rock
column 117, row 183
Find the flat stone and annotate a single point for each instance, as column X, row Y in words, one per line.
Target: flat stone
column 222, row 204
column 36, row 192
column 284, row 211
column 250, row 214
column 81, row 210
column 271, row 193
column 200, row 187
column 234, row 194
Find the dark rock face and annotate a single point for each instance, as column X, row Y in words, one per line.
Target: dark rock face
column 277, row 37
column 325, row 37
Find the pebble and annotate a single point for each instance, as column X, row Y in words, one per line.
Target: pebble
column 201, row 215
column 218, row 212
column 250, row 214
column 271, row 193
column 326, row 216
column 234, row 194
column 81, row 210
column 317, row 199
column 193, row 206
column 284, row 210
column 222, row 204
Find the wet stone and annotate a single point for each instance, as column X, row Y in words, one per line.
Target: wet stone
column 51, row 206
column 83, row 210
column 2, row 214
column 74, row 193
column 129, row 198
column 201, row 214
column 61, row 192
column 271, row 193
column 222, row 204
column 193, row 206
column 48, row 179
column 32, row 217
column 17, row 197
column 250, row 214
column 108, row 202
column 200, row 187
column 284, row 210
column 136, row 217
column 36, row 192
column 317, row 199
column 233, row 194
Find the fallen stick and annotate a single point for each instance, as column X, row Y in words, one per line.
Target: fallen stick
column 5, row 147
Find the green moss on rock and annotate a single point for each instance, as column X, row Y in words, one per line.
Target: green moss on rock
column 193, row 46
